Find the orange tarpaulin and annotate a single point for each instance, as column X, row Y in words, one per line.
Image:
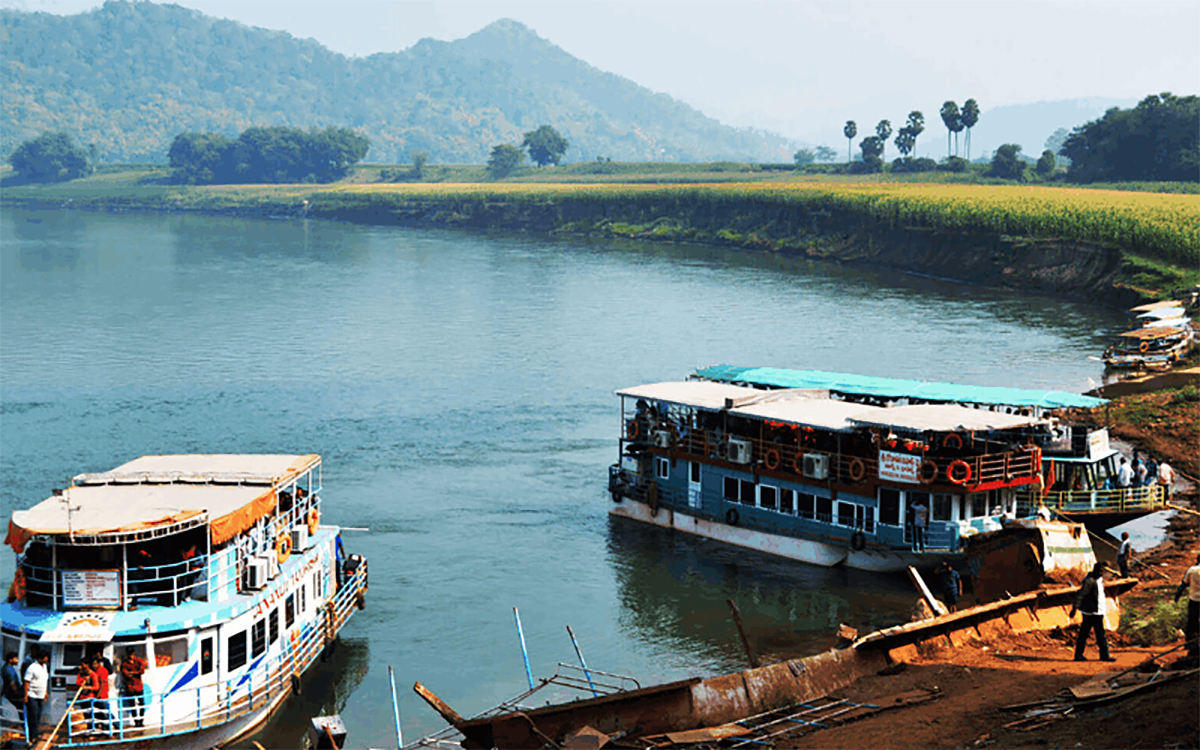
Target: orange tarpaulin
column 17, row 537
column 230, row 525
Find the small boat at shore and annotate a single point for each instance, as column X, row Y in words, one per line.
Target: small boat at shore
column 211, row 574
column 1160, row 336
column 830, row 469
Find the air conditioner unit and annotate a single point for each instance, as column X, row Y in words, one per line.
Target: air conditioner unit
column 739, row 451
column 299, row 537
column 662, row 439
column 255, row 575
column 816, row 466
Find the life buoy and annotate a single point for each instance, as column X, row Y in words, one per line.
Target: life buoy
column 858, row 541
column 616, row 496
column 1144, row 347
column 965, row 472
column 955, row 438
column 732, row 517
column 631, row 432
column 16, row 591
column 798, row 463
column 283, row 548
column 858, row 469
column 928, row 471
column 314, row 520
column 722, row 449
column 771, row 459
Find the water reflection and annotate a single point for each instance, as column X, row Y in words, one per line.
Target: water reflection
column 673, row 587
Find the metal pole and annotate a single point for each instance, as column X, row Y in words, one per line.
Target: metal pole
column 395, row 707
column 737, row 620
column 524, row 652
column 582, row 663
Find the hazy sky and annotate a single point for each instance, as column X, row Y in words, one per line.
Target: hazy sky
column 797, row 67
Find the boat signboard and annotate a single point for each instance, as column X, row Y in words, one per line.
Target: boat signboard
column 899, row 467
column 1098, row 444
column 91, row 588
column 81, row 627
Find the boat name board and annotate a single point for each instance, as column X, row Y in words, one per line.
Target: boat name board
column 277, row 593
column 81, row 627
column 1098, row 444
column 91, row 588
column 900, row 467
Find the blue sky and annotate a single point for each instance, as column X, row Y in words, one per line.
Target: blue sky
column 799, row 68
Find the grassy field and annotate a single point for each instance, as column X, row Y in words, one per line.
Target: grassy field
column 1158, row 232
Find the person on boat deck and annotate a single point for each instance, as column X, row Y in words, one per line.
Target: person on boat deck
column 1166, row 478
column 1090, row 604
column 1043, row 512
column 12, row 684
column 1123, row 554
column 1191, row 631
column 1124, row 473
column 88, row 685
column 37, row 680
column 920, row 521
column 132, row 669
column 1139, row 469
column 1151, row 471
column 101, row 717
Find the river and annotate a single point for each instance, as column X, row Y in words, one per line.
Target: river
column 460, row 389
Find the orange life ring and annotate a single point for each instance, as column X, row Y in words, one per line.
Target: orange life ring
column 631, row 432
column 798, row 463
column 928, row 479
column 314, row 520
column 771, row 459
column 858, row 469
column 958, row 443
column 283, row 548
column 1144, row 347
column 966, row 468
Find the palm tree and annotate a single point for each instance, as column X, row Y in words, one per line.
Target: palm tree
column 953, row 121
column 884, row 131
column 850, row 131
column 916, row 126
column 970, row 116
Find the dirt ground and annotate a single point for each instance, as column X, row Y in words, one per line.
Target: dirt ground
column 973, row 684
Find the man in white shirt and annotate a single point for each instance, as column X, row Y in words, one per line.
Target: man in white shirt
column 1124, row 473
column 1191, row 631
column 1091, row 604
column 1166, row 478
column 37, row 680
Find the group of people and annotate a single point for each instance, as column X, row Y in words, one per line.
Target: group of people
column 1144, row 473
column 26, row 689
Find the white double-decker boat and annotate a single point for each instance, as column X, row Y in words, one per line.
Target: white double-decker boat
column 215, row 570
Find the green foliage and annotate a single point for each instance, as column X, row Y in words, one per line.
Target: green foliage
column 1045, row 165
column 910, row 165
column 419, row 160
column 1188, row 394
column 546, row 145
column 826, row 154
column 275, row 154
column 952, row 119
column 1159, row 139
column 905, row 141
column 1007, row 163
column 915, row 126
column 504, row 159
column 1157, row 625
column 953, row 164
column 50, row 157
column 969, row 116
column 850, row 130
column 804, row 157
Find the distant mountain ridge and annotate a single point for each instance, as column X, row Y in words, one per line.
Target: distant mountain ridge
column 128, row 77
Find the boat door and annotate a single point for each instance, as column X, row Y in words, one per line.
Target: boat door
column 694, row 495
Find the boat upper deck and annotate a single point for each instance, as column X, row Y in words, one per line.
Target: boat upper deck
column 163, row 494
column 859, row 386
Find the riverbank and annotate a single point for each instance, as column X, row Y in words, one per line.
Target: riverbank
column 1110, row 247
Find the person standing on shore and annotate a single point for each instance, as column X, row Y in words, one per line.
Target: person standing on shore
column 951, row 585
column 1191, row 631
column 1166, row 478
column 1091, row 604
column 1123, row 554
column 37, row 681
column 1124, row 473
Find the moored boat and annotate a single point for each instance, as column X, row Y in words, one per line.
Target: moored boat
column 212, row 573
column 1161, row 334
column 829, row 476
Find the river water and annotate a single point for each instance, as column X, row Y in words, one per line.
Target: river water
column 459, row 387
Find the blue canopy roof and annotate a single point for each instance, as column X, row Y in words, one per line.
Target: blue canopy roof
column 895, row 388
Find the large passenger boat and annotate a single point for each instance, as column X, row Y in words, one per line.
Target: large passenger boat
column 831, row 469
column 213, row 571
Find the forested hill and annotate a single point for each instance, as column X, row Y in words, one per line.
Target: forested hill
column 128, row 77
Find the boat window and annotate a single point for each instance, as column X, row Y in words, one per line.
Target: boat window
column 768, row 497
column 317, row 585
column 787, row 502
column 235, row 647
column 845, row 514
column 258, row 638
column 943, row 507
column 825, row 509
column 662, row 468
column 303, row 597
column 289, row 610
column 11, row 644
column 72, row 654
column 975, row 505
column 695, row 469
column 867, row 522
column 889, row 506
column 170, row 651
column 806, row 505
column 206, row 656
column 747, row 492
column 274, row 620
column 731, row 489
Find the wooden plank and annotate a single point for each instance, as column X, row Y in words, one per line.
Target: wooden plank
column 1092, row 688
column 707, row 734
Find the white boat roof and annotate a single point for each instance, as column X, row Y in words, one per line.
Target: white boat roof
column 1162, row 313
column 945, row 418
column 1181, row 323
column 816, row 409
column 1156, row 305
column 233, row 490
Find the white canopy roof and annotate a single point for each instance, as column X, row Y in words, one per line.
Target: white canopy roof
column 944, row 418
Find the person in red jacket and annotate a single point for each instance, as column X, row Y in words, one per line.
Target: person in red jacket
column 101, row 718
column 132, row 668
column 88, row 686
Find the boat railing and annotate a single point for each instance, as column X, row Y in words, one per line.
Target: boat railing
column 1142, row 499
column 137, row 718
column 852, row 469
column 166, row 585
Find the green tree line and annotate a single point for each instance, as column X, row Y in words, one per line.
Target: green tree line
column 274, row 154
